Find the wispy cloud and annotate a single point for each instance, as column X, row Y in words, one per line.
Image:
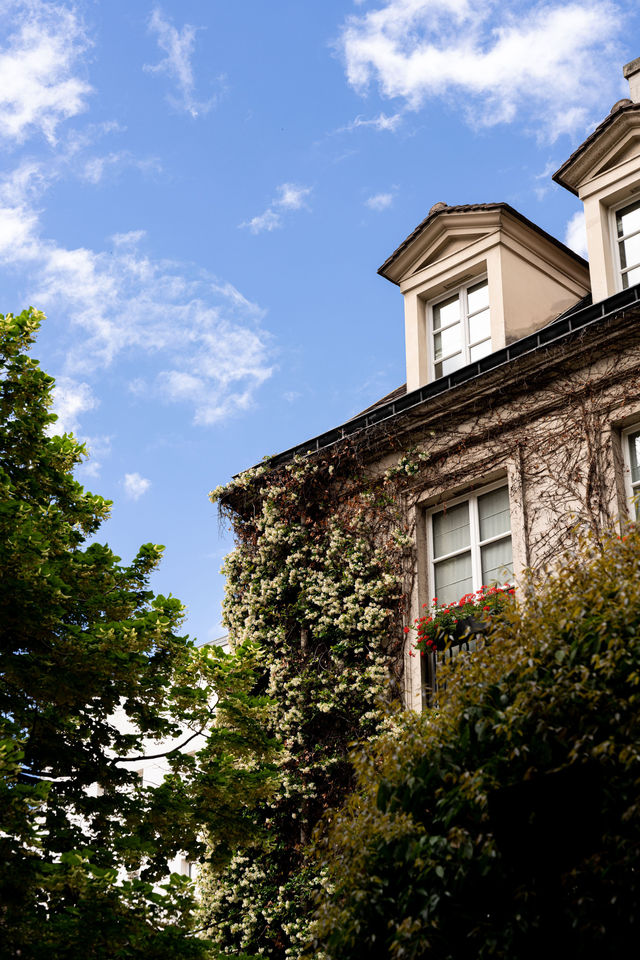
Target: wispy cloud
column 269, row 220
column 379, row 201
column 543, row 182
column 382, row 122
column 39, row 63
column 576, row 234
column 290, row 196
column 178, row 45
column 550, row 66
column 70, row 399
column 135, row 485
column 94, row 169
column 201, row 339
column 98, row 449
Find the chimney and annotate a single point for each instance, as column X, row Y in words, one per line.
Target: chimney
column 631, row 72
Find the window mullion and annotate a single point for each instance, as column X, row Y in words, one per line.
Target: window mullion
column 466, row 333
column 474, row 530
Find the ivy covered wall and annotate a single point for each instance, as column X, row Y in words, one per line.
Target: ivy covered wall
column 318, row 578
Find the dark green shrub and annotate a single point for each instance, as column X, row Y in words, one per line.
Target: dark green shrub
column 506, row 823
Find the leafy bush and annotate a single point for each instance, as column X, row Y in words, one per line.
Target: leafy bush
column 507, row 823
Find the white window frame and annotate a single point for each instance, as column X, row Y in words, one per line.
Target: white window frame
column 475, row 545
column 613, row 229
column 626, row 457
column 461, row 292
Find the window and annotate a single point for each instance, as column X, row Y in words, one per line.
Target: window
column 632, row 451
column 470, row 544
column 628, row 240
column 461, row 328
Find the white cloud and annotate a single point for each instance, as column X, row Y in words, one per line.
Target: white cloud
column 381, row 122
column 129, row 239
column 124, row 305
column 98, row 448
column 543, row 182
column 576, row 234
column 379, row 201
column 39, row 85
column 289, row 196
column 135, row 485
column 551, row 66
column 95, row 168
column 179, row 48
column 70, row 400
column 269, row 220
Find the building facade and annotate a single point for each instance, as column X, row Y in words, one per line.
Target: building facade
column 522, row 394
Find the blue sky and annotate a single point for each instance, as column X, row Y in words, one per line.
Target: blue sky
column 198, row 195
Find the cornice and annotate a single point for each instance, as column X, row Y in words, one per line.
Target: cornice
column 586, row 158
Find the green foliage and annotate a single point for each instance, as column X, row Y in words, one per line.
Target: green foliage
column 507, row 824
column 316, row 579
column 81, row 639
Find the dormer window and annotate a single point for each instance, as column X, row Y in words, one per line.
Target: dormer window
column 474, row 278
column 628, row 238
column 461, row 328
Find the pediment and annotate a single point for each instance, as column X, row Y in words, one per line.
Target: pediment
column 614, row 141
column 447, row 245
column 629, row 149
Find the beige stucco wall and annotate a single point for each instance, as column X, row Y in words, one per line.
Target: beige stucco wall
column 552, row 446
column 532, row 294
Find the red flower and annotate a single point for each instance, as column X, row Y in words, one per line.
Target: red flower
column 406, row 629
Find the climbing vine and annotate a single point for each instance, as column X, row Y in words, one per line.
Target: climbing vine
column 318, row 578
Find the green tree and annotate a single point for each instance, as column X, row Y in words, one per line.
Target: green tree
column 507, row 823
column 81, row 637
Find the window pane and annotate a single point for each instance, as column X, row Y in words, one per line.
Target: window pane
column 628, row 220
column 453, row 578
column 480, row 350
column 451, row 530
column 448, row 366
column 493, row 511
column 634, row 453
column 446, row 313
column 497, row 562
column 478, row 296
column 630, row 251
column 631, row 278
column 479, row 327
column 448, row 342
